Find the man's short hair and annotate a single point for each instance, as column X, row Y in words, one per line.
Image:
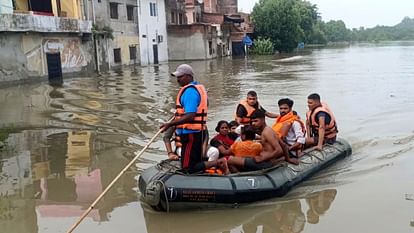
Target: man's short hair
column 258, row 114
column 287, row 101
column 252, row 93
column 233, row 123
column 314, row 96
column 248, row 132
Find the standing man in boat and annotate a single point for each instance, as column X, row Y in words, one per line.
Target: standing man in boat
column 247, row 106
column 289, row 127
column 190, row 122
column 273, row 151
column 320, row 123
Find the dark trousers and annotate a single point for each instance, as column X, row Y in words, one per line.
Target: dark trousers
column 192, row 152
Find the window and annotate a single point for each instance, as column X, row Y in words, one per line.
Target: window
column 172, row 17
column 113, row 10
column 153, row 9
column 117, row 55
column 160, row 38
column 130, row 12
column 210, row 47
column 180, row 18
column 132, row 52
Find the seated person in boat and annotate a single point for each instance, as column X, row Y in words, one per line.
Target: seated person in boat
column 220, row 144
column 247, row 147
column 247, row 106
column 235, row 130
column 289, row 127
column 321, row 126
column 273, row 152
column 233, row 126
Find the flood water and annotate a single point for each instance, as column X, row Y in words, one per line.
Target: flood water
column 64, row 145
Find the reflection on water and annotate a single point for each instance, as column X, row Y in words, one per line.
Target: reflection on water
column 286, row 217
column 57, row 176
column 65, row 143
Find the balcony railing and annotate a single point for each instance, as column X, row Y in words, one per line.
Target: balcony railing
column 41, row 23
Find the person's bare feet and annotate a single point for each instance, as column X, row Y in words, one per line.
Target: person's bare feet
column 222, row 164
column 173, row 156
column 293, row 161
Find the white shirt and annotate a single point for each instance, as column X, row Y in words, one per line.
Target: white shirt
column 295, row 134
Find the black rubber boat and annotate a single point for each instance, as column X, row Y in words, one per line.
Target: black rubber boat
column 164, row 188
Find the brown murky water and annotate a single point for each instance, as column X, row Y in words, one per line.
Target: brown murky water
column 65, row 144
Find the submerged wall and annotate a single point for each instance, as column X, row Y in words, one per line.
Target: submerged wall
column 23, row 55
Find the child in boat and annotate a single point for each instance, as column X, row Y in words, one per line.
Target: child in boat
column 235, row 130
column 233, row 126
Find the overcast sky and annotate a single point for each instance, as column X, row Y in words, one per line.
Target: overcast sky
column 356, row 13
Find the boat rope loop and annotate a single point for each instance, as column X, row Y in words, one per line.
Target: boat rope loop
column 314, row 156
column 294, row 170
column 156, row 186
column 165, row 194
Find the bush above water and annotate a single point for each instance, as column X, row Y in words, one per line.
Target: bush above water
column 262, row 46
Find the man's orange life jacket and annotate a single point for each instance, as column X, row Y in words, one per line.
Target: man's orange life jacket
column 331, row 129
column 286, row 121
column 200, row 119
column 250, row 109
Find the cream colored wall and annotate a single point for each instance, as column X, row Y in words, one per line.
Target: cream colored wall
column 71, row 8
column 74, row 56
column 54, row 8
column 124, row 42
column 22, row 5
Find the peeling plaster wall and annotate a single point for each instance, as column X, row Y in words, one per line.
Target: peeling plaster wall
column 12, row 58
column 23, row 55
column 40, row 23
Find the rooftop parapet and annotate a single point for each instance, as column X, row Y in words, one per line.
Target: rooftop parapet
column 41, row 23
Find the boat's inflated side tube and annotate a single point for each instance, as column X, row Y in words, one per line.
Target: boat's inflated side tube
column 162, row 187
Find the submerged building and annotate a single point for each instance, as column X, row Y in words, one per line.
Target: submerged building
column 44, row 38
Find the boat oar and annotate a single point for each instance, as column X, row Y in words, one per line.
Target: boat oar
column 114, row 181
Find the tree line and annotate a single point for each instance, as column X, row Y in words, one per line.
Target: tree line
column 288, row 22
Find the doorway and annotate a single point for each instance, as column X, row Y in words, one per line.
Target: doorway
column 155, row 51
column 54, row 67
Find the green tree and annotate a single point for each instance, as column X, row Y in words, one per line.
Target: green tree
column 401, row 31
column 318, row 35
column 279, row 20
column 336, row 31
column 309, row 17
